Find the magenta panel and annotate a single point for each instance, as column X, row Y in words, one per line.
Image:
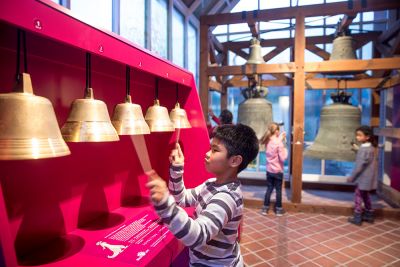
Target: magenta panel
column 63, row 205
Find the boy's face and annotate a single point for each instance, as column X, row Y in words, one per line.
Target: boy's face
column 216, row 159
column 361, row 137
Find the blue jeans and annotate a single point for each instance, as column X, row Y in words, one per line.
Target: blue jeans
column 274, row 180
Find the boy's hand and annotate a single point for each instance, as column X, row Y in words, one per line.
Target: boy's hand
column 176, row 157
column 158, row 187
column 349, row 180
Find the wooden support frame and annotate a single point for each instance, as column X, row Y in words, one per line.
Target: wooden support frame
column 307, row 11
column 298, row 114
column 305, row 74
column 389, row 132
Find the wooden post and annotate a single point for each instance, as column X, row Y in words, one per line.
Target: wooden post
column 298, row 110
column 224, row 97
column 224, row 94
column 204, row 45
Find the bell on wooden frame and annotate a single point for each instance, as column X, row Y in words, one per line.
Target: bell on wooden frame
column 128, row 117
column 255, row 52
column 178, row 115
column 88, row 119
column 157, row 116
column 255, row 111
column 338, row 124
column 28, row 124
column 343, row 49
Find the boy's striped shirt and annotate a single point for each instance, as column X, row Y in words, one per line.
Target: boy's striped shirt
column 212, row 236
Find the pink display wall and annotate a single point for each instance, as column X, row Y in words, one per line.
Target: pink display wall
column 53, row 211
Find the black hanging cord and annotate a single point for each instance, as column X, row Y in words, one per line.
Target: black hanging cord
column 128, row 80
column 20, row 34
column 88, row 71
column 176, row 90
column 156, row 88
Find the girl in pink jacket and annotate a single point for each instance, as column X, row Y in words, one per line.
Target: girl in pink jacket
column 276, row 154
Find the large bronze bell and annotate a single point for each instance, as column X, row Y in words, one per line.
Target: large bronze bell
column 88, row 121
column 128, row 119
column 255, row 111
column 28, row 125
column 336, row 133
column 343, row 48
column 255, row 52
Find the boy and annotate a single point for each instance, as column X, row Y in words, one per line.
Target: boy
column 212, row 236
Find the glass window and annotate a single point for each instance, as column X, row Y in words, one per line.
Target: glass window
column 239, row 27
column 309, row 2
column 159, row 31
column 274, row 4
column 132, row 20
column 368, row 16
column 221, row 29
column 97, row 13
column 247, row 5
column 178, row 38
column 56, row 1
column 192, row 51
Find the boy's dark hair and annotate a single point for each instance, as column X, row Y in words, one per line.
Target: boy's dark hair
column 367, row 131
column 239, row 140
column 226, row 117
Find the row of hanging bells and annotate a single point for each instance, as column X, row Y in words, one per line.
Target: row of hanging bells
column 29, row 128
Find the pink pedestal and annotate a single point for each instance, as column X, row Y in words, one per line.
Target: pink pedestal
column 54, row 211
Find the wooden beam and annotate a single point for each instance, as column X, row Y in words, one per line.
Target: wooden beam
column 214, row 86
column 375, row 108
column 253, row 28
column 373, row 83
column 274, row 53
column 266, row 83
column 390, row 33
column 346, row 21
column 307, row 11
column 388, row 132
column 224, row 97
column 286, row 42
column 194, row 6
column 218, row 45
column 251, row 69
column 204, row 46
column 318, row 51
column 353, row 65
column 298, row 110
column 241, row 53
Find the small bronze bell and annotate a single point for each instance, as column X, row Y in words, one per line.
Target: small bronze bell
column 179, row 118
column 178, row 115
column 255, row 52
column 88, row 121
column 128, row 119
column 157, row 118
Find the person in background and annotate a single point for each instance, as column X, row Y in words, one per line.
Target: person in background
column 364, row 176
column 276, row 154
column 212, row 236
column 225, row 117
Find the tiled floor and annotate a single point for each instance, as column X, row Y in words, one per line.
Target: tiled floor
column 299, row 239
column 323, row 197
